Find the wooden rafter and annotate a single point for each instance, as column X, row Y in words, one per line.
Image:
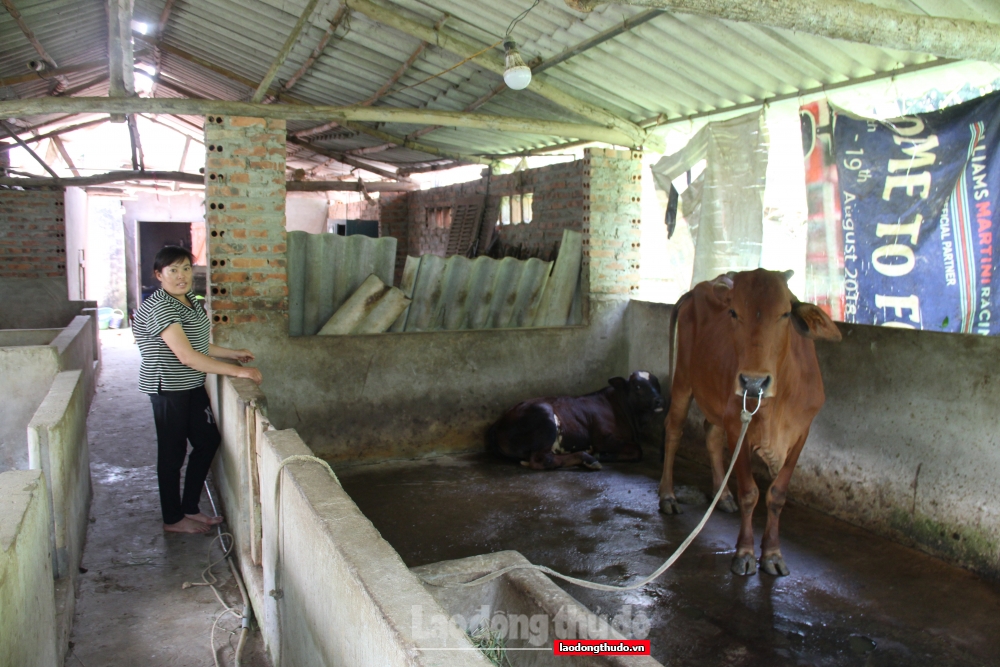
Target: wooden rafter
column 29, row 35
column 636, row 136
column 192, row 107
column 60, row 131
column 33, row 154
column 284, row 97
column 407, row 64
column 282, row 56
column 345, row 159
column 849, row 20
column 335, row 22
column 138, row 160
column 58, row 143
column 199, row 179
column 53, row 73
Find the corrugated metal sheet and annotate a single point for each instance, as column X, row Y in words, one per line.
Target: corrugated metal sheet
column 485, row 293
column 675, row 64
column 325, row 269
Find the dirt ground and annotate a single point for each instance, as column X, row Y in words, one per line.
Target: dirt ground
column 852, row 598
column 132, row 609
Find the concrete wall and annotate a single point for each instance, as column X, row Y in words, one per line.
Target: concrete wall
column 57, row 444
column 76, row 240
column 325, row 587
column 343, row 595
column 27, row 621
column 906, row 444
column 26, row 374
column 356, row 398
column 37, row 303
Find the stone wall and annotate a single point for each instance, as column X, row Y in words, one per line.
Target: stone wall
column 245, row 213
column 32, row 234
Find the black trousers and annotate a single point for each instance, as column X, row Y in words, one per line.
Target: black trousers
column 183, row 416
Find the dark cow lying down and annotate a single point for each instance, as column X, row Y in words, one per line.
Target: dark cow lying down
column 548, row 433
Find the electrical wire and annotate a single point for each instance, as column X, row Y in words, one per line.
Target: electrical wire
column 517, row 19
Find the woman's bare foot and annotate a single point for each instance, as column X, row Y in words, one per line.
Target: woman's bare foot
column 205, row 519
column 186, row 525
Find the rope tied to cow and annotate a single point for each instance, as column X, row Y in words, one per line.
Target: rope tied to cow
column 745, row 418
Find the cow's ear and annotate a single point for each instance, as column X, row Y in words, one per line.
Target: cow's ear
column 812, row 322
column 620, row 384
column 788, row 275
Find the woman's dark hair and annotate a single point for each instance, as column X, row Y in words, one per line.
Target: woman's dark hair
column 171, row 254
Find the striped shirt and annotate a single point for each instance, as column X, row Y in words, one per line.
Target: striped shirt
column 161, row 369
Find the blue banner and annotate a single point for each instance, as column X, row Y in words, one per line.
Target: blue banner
column 919, row 216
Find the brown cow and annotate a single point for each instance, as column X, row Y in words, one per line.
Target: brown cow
column 746, row 332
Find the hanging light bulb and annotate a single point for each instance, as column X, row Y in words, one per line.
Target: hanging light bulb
column 516, row 74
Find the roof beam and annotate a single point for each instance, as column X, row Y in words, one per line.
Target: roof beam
column 121, row 59
column 403, row 68
column 284, row 97
column 138, row 160
column 199, row 179
column 53, row 73
column 350, row 186
column 848, row 20
column 191, row 107
column 345, row 159
column 282, row 56
column 338, row 17
column 58, row 143
column 16, row 15
column 634, row 135
column 56, row 133
column 33, row 154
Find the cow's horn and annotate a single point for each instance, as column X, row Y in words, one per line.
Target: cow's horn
column 788, row 275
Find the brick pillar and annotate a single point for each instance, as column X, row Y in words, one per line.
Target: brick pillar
column 32, row 234
column 394, row 220
column 612, row 192
column 245, row 214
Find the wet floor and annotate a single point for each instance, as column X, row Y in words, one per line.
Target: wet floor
column 852, row 598
column 132, row 609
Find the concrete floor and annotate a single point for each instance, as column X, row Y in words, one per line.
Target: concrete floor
column 852, row 598
column 131, row 609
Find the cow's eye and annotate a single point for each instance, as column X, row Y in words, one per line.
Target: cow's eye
column 732, row 313
column 788, row 314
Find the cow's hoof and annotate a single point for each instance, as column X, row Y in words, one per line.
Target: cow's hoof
column 774, row 565
column 592, row 465
column 670, row 506
column 744, row 565
column 728, row 504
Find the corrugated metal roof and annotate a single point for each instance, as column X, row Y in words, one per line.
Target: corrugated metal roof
column 673, row 65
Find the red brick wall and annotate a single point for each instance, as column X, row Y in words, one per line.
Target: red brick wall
column 599, row 196
column 245, row 216
column 558, row 204
column 394, row 221
column 32, row 234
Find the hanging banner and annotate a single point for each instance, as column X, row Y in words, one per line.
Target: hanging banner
column 918, row 201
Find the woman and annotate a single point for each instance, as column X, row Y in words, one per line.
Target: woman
column 172, row 330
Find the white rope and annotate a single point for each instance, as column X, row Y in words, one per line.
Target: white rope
column 209, row 579
column 745, row 417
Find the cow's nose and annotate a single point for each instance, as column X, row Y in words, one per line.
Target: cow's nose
column 755, row 384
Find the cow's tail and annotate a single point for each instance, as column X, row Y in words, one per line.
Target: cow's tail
column 674, row 312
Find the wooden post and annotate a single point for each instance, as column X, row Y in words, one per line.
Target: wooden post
column 121, row 58
column 849, row 20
